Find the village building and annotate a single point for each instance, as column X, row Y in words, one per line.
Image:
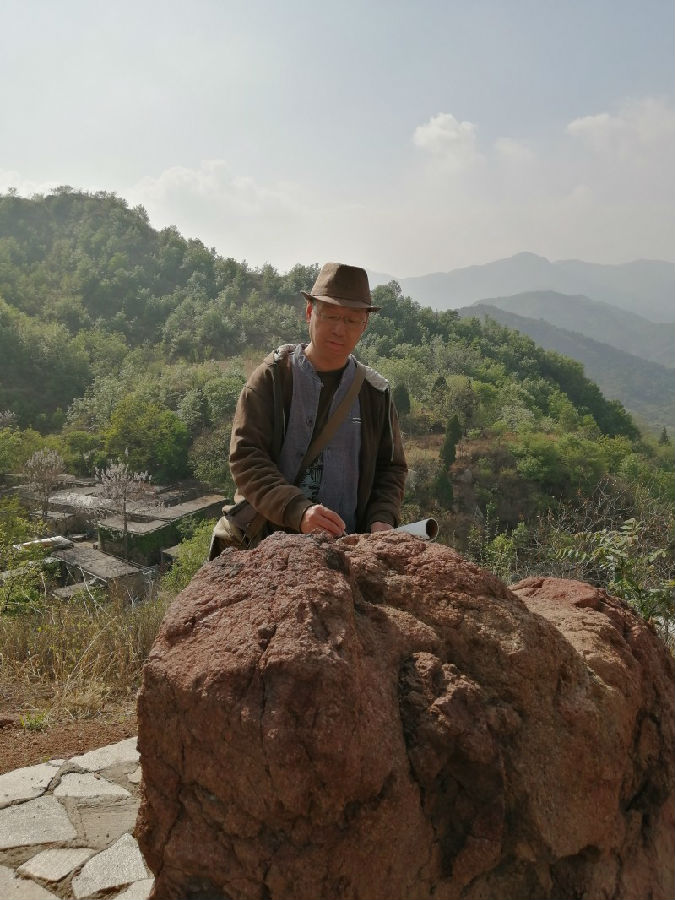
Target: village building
column 83, row 565
column 152, row 528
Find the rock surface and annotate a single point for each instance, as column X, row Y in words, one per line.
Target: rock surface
column 378, row 718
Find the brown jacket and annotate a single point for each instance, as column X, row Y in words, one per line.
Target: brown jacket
column 252, row 453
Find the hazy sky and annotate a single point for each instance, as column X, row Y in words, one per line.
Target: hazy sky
column 408, row 137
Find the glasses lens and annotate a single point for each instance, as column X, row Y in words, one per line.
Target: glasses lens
column 350, row 321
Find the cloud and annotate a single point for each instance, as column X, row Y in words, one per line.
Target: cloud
column 637, row 127
column 513, row 151
column 246, row 217
column 214, row 183
column 445, row 138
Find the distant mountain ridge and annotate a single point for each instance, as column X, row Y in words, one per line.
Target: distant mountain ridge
column 597, row 320
column 645, row 388
column 644, row 287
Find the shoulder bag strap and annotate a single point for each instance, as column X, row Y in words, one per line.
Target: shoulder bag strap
column 335, row 420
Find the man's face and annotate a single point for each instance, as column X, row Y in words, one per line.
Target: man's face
column 334, row 331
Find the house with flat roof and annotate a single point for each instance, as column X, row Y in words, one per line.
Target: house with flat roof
column 151, row 528
column 84, row 564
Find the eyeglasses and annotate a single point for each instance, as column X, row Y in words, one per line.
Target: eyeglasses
column 331, row 318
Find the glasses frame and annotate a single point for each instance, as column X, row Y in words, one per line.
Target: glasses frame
column 328, row 316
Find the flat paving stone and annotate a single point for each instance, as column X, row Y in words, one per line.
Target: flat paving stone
column 135, row 776
column 139, row 890
column 99, row 823
column 86, row 784
column 122, row 753
column 14, row 888
column 117, row 866
column 53, row 865
column 25, row 784
column 40, row 821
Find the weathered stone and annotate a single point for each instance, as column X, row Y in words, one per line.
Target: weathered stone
column 41, row 821
column 376, row 717
column 14, row 888
column 139, row 890
column 53, row 865
column 119, row 865
column 122, row 753
column 100, row 823
column 135, row 776
column 87, row 785
column 25, row 784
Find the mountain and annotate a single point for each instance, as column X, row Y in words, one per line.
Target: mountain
column 645, row 388
column 645, row 287
column 600, row 321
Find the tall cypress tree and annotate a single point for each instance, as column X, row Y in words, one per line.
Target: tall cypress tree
column 453, row 433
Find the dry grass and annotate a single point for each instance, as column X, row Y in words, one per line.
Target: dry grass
column 73, row 660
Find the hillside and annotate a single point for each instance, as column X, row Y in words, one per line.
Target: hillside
column 645, row 388
column 644, row 287
column 85, row 282
column 600, row 321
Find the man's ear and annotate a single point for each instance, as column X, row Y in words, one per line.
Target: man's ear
column 308, row 311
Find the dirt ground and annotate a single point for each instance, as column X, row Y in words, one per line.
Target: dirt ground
column 23, row 747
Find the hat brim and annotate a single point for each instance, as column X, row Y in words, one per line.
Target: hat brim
column 339, row 301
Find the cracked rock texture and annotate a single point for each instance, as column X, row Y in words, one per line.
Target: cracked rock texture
column 378, row 718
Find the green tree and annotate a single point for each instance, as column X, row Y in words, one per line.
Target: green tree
column 149, row 437
column 16, row 445
column 209, row 458
column 453, row 433
column 401, row 398
column 443, row 487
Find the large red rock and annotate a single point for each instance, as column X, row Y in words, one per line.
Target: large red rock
column 378, row 718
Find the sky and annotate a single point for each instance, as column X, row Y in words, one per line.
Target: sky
column 407, row 137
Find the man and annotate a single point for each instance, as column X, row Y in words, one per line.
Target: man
column 356, row 483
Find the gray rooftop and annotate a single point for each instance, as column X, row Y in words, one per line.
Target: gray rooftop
column 95, row 563
column 145, row 527
column 170, row 513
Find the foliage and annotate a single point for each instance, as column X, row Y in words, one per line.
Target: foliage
column 619, row 538
column 401, row 398
column 192, row 556
column 453, row 433
column 209, row 459
column 616, row 558
column 443, row 489
column 16, row 446
column 149, row 437
column 23, row 581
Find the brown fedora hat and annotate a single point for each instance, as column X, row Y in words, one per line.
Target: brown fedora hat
column 342, row 285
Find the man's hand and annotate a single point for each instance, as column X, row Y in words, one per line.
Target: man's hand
column 321, row 520
column 380, row 526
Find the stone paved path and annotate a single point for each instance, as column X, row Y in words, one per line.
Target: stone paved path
column 65, row 828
